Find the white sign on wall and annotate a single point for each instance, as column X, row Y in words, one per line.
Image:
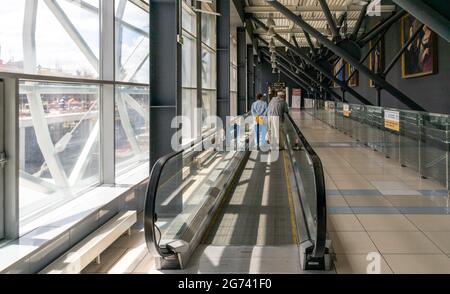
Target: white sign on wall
column 296, row 98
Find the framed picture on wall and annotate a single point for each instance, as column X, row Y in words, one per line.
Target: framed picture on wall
column 376, row 59
column 354, row 74
column 420, row 57
column 339, row 72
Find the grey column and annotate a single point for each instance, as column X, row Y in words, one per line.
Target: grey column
column 165, row 77
column 242, row 69
column 223, row 59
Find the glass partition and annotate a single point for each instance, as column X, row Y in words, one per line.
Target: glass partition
column 418, row 140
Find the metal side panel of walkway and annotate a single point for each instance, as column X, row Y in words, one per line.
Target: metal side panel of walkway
column 375, row 205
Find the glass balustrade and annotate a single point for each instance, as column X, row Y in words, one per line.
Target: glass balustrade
column 415, row 139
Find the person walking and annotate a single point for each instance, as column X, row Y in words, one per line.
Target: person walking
column 259, row 113
column 278, row 107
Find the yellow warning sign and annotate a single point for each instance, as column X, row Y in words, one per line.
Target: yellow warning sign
column 392, row 120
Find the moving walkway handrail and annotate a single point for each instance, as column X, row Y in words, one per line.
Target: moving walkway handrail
column 321, row 209
column 150, row 215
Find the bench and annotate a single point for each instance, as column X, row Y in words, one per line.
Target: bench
column 90, row 248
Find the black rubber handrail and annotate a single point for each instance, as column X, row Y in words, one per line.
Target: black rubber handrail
column 150, row 215
column 321, row 200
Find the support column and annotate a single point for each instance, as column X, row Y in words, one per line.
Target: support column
column 223, row 59
column 107, row 103
column 165, row 74
column 242, row 69
column 251, row 96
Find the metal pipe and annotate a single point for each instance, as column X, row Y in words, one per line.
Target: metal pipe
column 329, row 17
column 402, row 50
column 349, row 58
column 315, row 65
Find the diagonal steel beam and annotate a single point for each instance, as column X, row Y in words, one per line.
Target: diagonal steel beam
column 349, row 58
column 314, row 64
column 383, row 27
column 289, row 74
column 68, row 26
column 329, row 17
column 286, row 67
column 310, row 43
column 307, row 75
column 402, row 50
column 359, row 22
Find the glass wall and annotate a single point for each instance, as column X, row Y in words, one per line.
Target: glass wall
column 59, row 143
column 233, row 77
column 418, row 140
column 70, row 50
column 209, row 68
column 61, row 121
column 132, row 43
column 189, row 69
column 189, row 66
column 132, row 127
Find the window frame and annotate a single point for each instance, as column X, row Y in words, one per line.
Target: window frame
column 106, row 82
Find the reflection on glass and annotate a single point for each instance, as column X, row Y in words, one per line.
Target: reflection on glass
column 132, row 43
column 132, row 130
column 71, row 49
column 59, row 144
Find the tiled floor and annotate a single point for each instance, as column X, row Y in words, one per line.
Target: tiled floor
column 375, row 205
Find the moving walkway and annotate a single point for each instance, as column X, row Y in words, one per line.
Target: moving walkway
column 241, row 196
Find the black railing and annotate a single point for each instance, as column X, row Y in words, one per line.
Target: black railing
column 319, row 237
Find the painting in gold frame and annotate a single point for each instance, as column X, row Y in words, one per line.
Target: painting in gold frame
column 420, row 57
column 341, row 74
column 376, row 59
column 354, row 81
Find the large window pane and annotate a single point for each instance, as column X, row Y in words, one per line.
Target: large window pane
column 189, row 71
column 209, row 30
column 132, row 43
column 59, row 144
column 132, row 127
column 62, row 41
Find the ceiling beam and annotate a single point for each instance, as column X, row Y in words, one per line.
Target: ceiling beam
column 303, row 8
column 326, row 72
column 382, row 83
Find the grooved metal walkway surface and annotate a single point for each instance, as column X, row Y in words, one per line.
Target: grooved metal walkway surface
column 258, row 212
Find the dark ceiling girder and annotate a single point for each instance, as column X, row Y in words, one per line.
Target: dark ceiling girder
column 307, row 75
column 317, row 66
column 286, row 67
column 341, row 19
column 427, row 15
column 329, row 17
column 363, row 59
column 313, row 79
column 310, row 43
column 293, row 78
column 359, row 22
column 386, row 25
column 349, row 58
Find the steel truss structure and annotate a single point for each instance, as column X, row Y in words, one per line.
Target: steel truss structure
column 321, row 33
